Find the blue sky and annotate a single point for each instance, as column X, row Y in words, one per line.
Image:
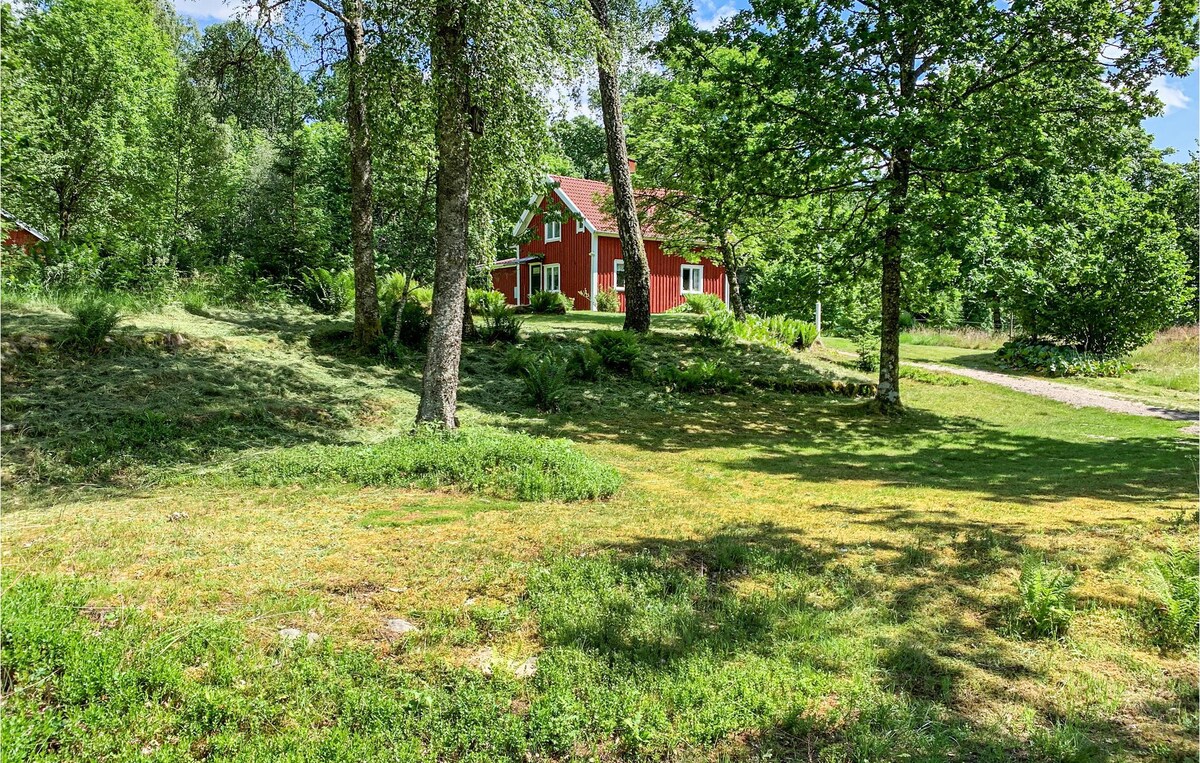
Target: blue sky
column 1177, row 128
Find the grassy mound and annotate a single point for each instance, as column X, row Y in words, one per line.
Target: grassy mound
column 486, row 460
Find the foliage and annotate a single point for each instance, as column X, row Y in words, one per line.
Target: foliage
column 484, row 301
column 619, row 350
column 581, row 141
column 480, row 459
column 500, row 324
column 932, row 377
column 1049, row 359
column 1044, row 598
column 967, row 338
column 93, row 321
column 702, row 376
column 549, row 303
column 866, row 348
column 701, row 304
column 1114, row 275
column 586, row 364
column 608, row 300
column 544, row 378
column 328, row 293
column 717, row 328
column 1171, row 613
column 414, row 325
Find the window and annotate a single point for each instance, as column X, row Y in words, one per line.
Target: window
column 579, row 226
column 619, row 275
column 553, row 230
column 552, row 279
column 535, row 278
column 691, row 279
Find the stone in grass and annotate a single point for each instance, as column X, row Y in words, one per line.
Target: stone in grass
column 482, row 660
column 398, row 627
column 526, row 669
column 292, row 635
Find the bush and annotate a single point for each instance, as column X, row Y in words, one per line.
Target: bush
column 702, row 304
column 480, row 459
column 483, row 301
column 94, row 320
column 702, row 376
column 586, row 364
column 1171, row 614
column 808, row 335
column 719, row 328
column 545, row 380
column 867, row 348
column 549, row 303
column 1050, row 359
column 607, row 300
column 327, row 293
column 753, row 329
column 500, row 324
column 1044, row 598
column 619, row 350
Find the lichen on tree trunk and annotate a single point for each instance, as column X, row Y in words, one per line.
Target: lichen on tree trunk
column 451, row 79
column 633, row 249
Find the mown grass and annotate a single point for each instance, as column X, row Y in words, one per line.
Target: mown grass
column 781, row 576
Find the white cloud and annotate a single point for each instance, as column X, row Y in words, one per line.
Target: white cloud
column 709, row 15
column 207, row 9
column 1173, row 98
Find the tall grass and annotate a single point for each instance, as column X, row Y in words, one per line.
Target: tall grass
column 481, row 459
column 1170, row 360
column 966, row 338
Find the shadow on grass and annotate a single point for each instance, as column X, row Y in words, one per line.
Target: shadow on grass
column 761, row 641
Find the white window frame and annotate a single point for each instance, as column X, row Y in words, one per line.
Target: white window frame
column 618, row 262
column 536, row 267
column 557, row 225
column 686, row 268
column 546, row 271
column 579, row 227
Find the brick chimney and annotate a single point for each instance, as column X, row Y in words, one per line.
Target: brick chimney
column 632, row 166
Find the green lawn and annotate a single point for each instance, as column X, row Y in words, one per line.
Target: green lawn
column 779, row 576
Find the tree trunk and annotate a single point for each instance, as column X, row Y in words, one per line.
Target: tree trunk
column 367, row 329
column 997, row 318
column 729, row 261
column 439, row 385
column 633, row 250
column 888, row 395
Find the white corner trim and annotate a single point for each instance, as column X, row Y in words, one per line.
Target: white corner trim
column 594, row 281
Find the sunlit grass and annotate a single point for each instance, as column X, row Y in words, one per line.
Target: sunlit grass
column 780, row 575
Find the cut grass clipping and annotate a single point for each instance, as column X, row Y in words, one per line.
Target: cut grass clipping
column 482, row 459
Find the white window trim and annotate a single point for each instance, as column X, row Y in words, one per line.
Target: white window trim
column 547, row 225
column 622, row 261
column 579, row 227
column 685, row 268
column 557, row 277
column 541, row 276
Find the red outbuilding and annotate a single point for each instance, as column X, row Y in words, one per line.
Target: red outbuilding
column 17, row 233
column 581, row 254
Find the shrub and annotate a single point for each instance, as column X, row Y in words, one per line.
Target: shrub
column 808, row 335
column 391, row 288
column 545, row 380
column 867, row 347
column 717, row 328
column 608, row 301
column 1171, row 613
column 1050, row 359
column 94, row 320
column 483, row 301
column 702, row 376
column 619, row 350
column 753, row 329
column 193, row 300
column 1044, row 592
column 414, row 325
column 481, row 459
column 702, row 304
column 325, row 292
column 549, row 303
column 586, row 364
column 500, row 324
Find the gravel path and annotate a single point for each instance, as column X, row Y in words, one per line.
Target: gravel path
column 1066, row 393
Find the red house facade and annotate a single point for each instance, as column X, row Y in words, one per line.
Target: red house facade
column 581, row 255
column 17, row 233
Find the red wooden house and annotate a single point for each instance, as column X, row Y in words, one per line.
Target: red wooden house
column 581, row 254
column 17, row 233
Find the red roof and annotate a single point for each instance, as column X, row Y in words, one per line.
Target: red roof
column 591, row 197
